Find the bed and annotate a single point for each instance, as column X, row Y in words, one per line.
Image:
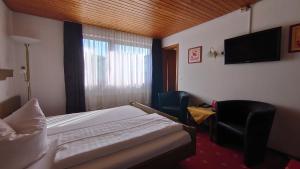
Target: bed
column 150, row 139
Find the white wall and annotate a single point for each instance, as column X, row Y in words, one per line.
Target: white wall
column 46, row 61
column 7, row 87
column 274, row 82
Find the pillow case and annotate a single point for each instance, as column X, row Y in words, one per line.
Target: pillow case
column 21, row 150
column 5, row 130
column 28, row 118
column 46, row 162
column 29, row 142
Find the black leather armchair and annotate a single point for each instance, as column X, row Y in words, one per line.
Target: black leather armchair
column 174, row 103
column 251, row 121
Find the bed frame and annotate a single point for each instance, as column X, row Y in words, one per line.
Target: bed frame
column 10, row 105
column 171, row 158
column 163, row 161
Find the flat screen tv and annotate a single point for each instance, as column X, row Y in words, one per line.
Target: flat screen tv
column 255, row 47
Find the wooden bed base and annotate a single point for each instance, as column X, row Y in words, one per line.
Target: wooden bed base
column 163, row 161
column 170, row 158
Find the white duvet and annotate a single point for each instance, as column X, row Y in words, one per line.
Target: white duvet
column 97, row 136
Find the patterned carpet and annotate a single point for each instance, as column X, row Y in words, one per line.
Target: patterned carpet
column 212, row 156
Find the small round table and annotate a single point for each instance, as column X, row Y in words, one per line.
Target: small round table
column 200, row 114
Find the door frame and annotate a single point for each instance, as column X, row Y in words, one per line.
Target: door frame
column 176, row 48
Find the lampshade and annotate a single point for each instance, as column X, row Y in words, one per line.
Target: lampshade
column 24, row 39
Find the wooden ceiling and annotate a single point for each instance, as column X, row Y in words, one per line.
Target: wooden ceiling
column 154, row 18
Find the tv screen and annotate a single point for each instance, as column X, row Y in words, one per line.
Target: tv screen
column 255, row 47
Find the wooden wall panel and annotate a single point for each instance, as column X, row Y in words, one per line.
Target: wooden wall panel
column 154, row 18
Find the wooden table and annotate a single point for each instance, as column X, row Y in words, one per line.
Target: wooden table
column 200, row 114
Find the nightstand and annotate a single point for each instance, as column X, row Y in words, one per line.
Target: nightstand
column 200, row 114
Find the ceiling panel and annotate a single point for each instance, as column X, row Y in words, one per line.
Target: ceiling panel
column 154, row 18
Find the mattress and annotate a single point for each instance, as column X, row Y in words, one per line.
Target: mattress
column 114, row 138
column 56, row 124
column 132, row 156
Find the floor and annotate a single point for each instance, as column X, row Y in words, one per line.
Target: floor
column 212, row 156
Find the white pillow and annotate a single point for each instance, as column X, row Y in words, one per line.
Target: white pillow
column 21, row 150
column 29, row 143
column 28, row 118
column 5, row 130
column 46, row 162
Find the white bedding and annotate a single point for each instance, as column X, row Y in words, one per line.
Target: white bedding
column 135, row 155
column 56, row 124
column 86, row 138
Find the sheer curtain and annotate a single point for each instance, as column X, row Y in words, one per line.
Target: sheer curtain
column 118, row 68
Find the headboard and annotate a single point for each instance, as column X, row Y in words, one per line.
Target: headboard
column 9, row 106
column 4, row 73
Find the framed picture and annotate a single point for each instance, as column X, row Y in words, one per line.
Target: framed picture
column 294, row 44
column 195, row 55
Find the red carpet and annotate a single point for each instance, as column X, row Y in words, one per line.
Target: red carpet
column 212, row 156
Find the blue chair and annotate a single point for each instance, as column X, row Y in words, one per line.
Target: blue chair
column 174, row 103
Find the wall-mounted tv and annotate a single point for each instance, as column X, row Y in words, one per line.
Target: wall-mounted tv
column 254, row 47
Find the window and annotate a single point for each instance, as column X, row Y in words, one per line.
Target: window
column 118, row 67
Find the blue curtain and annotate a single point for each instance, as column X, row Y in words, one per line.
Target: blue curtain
column 74, row 67
column 157, row 73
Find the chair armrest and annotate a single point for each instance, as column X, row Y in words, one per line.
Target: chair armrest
column 259, row 123
column 184, row 101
